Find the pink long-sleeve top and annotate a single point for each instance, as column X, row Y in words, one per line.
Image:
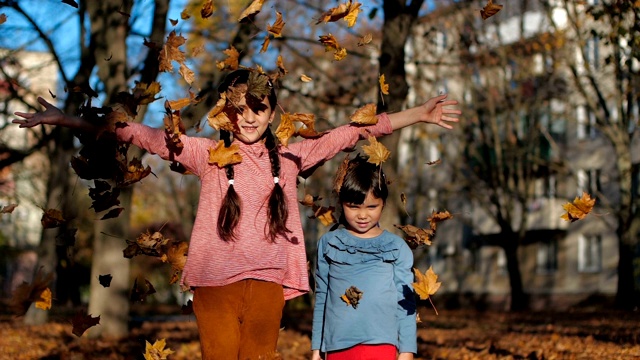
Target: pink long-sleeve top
column 214, row 262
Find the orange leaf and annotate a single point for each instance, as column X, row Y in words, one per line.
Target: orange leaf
column 377, row 152
column 170, row 52
column 305, row 78
column 384, row 87
column 330, row 43
column 218, row 118
column 157, row 350
column 324, row 214
column 437, row 217
column 285, row 129
column 52, row 218
column 251, row 11
column 223, row 156
column 365, row 39
column 580, row 207
column 366, row 115
column 276, row 28
column 416, row 236
column 231, row 62
column 426, row 284
column 265, row 44
column 489, row 10
column 352, row 13
column 207, row 9
column 309, row 200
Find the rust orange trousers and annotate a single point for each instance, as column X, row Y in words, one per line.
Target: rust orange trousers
column 239, row 321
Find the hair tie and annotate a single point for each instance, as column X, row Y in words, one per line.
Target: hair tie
column 276, row 179
column 231, row 182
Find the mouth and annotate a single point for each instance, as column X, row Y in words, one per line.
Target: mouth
column 250, row 129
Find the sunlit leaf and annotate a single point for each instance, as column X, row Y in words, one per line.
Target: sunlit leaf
column 223, row 156
column 250, row 12
column 489, row 10
column 376, row 152
column 384, row 87
column 579, row 209
column 157, row 351
column 365, row 115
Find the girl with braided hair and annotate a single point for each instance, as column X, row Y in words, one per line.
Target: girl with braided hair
column 242, row 271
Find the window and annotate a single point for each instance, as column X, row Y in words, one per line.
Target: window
column 589, row 253
column 592, row 52
column 588, row 181
column 547, row 257
column 441, row 42
column 586, row 123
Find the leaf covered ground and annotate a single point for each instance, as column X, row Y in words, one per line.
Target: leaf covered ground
column 453, row 334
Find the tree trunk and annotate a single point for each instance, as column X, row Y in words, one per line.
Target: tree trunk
column 518, row 297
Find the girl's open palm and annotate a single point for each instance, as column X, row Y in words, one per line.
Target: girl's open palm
column 51, row 115
column 436, row 111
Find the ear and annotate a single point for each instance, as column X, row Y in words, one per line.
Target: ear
column 273, row 114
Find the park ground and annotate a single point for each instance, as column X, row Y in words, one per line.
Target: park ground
column 586, row 333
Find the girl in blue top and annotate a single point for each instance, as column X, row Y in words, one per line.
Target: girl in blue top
column 365, row 306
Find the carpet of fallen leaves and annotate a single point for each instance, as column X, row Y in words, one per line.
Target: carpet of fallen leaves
column 452, row 334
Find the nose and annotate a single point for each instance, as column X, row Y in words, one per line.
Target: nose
column 249, row 116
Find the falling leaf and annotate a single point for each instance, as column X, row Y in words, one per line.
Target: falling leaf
column 157, row 350
column 218, row 118
column 309, row 200
column 352, row 13
column 187, row 74
column 426, row 284
column 207, row 9
column 437, row 217
column 145, row 94
column 141, row 290
column 114, row 213
column 403, row 200
column 134, row 172
column 384, row 87
column 330, row 43
column 285, row 129
column 52, row 218
column 258, row 86
column 105, row 280
column 352, row 296
column 171, row 52
column 435, row 162
column 44, row 301
column 8, row 209
column 325, row 215
column 71, row 3
column 251, row 11
column 82, row 322
column 280, row 65
column 184, row 15
column 366, row 115
column 265, row 44
column 365, row 39
column 276, row 28
column 3, row 18
column 305, row 78
column 173, row 22
column 173, row 128
column 416, row 236
column 176, row 255
column 103, row 196
column 377, row 152
column 231, row 62
column 35, row 292
column 489, row 10
column 187, row 309
column 580, row 207
column 223, row 156
column 340, row 54
column 340, row 174
column 349, row 11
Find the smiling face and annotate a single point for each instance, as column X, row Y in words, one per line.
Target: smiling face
column 362, row 219
column 252, row 125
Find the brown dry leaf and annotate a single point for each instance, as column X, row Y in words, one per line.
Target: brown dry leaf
column 173, row 128
column 145, row 94
column 265, row 44
column 489, row 10
column 207, row 9
column 170, row 52
column 366, row 115
column 173, row 22
column 340, row 174
column 223, row 156
column 37, row 291
column 251, row 11
column 187, row 74
column 135, row 171
column 113, row 213
column 308, row 121
column 218, row 118
column 305, row 78
column 435, row 162
column 285, row 129
column 276, row 28
column 184, row 15
column 377, row 152
column 580, row 207
column 384, row 87
column 416, row 236
column 3, row 18
column 340, row 54
column 309, row 200
column 184, row 102
column 437, row 217
column 82, row 322
column 141, row 290
column 426, row 284
column 52, row 218
column 352, row 296
column 176, row 255
column 330, row 43
column 282, row 71
column 231, row 62
column 403, row 200
column 349, row 11
column 365, row 39
column 157, row 350
column 8, row 209
column 324, row 214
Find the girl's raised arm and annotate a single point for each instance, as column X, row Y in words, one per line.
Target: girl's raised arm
column 433, row 111
column 52, row 116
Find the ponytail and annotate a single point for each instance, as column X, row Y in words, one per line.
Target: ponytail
column 229, row 215
column 277, row 210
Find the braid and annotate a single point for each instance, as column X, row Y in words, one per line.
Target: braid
column 230, row 211
column 277, row 211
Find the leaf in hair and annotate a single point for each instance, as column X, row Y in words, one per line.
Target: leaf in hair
column 377, row 152
column 218, row 118
column 258, row 85
column 223, row 156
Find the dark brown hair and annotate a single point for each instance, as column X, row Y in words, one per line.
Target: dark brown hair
column 277, row 210
column 361, row 177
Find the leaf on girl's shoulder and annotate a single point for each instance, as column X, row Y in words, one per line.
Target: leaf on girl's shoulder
column 352, row 296
column 223, row 156
column 579, row 209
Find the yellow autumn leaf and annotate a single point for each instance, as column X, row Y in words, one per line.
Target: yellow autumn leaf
column 426, row 284
column 44, row 301
column 377, row 152
column 285, row 129
column 157, row 350
column 365, row 39
column 352, row 13
column 384, row 87
column 579, row 209
column 223, row 156
column 330, row 43
column 366, row 115
column 340, row 54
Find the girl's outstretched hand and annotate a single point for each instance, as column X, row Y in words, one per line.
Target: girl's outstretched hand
column 437, row 112
column 51, row 116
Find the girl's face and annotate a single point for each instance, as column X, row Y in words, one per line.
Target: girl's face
column 362, row 219
column 253, row 125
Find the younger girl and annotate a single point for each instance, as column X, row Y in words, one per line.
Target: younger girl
column 247, row 253
column 365, row 307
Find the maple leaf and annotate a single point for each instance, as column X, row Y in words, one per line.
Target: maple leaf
column 437, row 217
column 365, row 39
column 365, row 115
column 135, row 171
column 285, row 129
column 580, row 207
column 384, row 87
column 352, row 13
column 377, row 152
column 223, row 156
column 347, row 11
column 173, row 128
column 207, row 9
column 82, row 322
column 276, row 28
column 180, row 103
column 52, row 218
column 141, row 290
column 218, row 118
column 113, row 213
column 187, row 74
column 426, row 284
column 231, row 62
column 157, row 350
column 103, row 196
column 105, row 280
column 416, row 236
column 340, row 54
column 340, row 174
column 170, row 52
column 308, row 130
column 250, row 12
column 35, row 292
column 489, row 10
column 352, row 296
column 8, row 209
column 258, row 86
column 330, row 43
column 145, row 94
column 176, row 255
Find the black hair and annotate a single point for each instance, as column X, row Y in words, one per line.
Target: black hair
column 361, row 177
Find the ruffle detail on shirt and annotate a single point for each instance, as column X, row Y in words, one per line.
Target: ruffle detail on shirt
column 347, row 249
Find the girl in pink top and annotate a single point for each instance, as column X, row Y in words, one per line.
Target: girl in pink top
column 247, row 252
